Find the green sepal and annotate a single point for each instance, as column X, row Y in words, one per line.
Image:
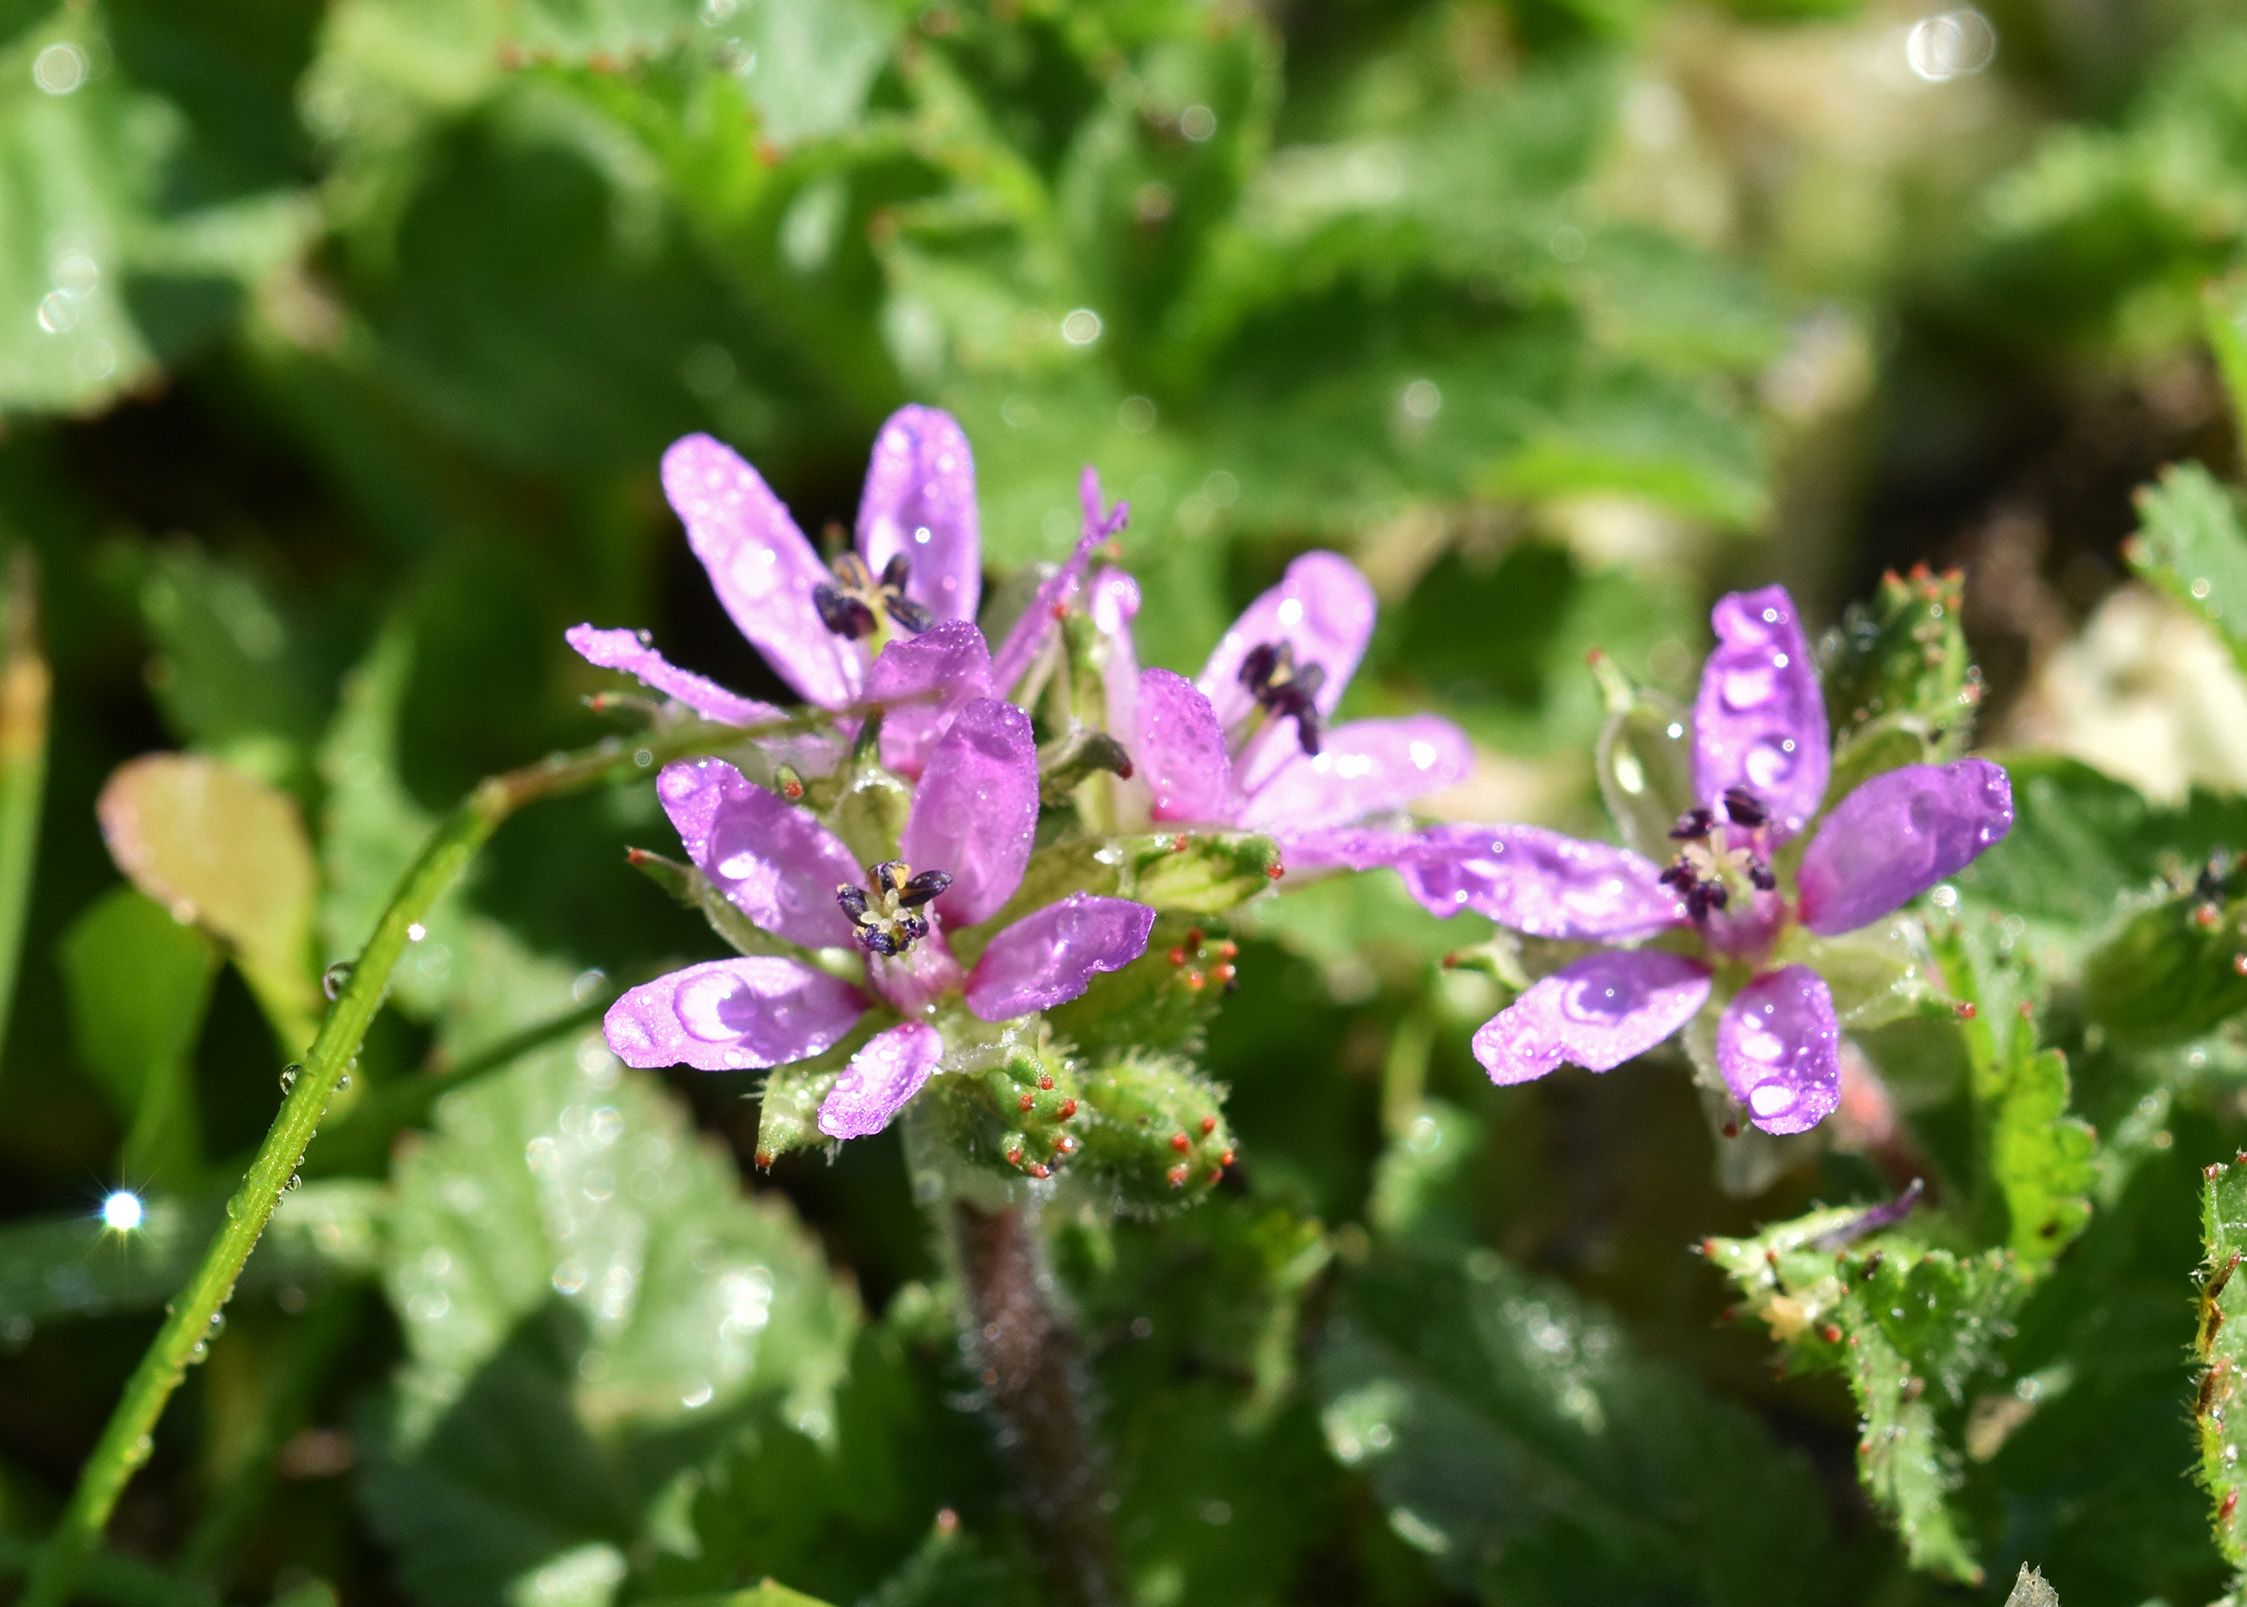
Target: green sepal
column 1645, row 762
column 1898, row 667
column 1157, row 1138
column 788, row 1103
column 1162, row 1001
column 1015, row 1109
column 1179, row 873
column 2174, row 971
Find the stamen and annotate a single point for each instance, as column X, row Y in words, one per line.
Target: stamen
column 1693, row 825
column 886, row 911
column 855, row 603
column 1744, row 809
column 1286, row 690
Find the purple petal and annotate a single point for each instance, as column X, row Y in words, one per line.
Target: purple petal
column 1030, row 631
column 1114, row 604
column 1181, row 752
column 732, row 1015
column 1780, row 1050
column 920, row 501
column 1348, row 848
column 934, row 673
column 880, row 1078
column 1322, row 607
column 761, row 566
column 1361, row 769
column 1897, row 835
column 1540, row 882
column 777, row 864
column 1760, row 721
column 1598, row 1013
column 976, row 810
column 1049, row 956
column 628, row 652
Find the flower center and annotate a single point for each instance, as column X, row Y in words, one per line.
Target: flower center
column 1710, row 871
column 1284, row 689
column 854, row 604
column 886, row 912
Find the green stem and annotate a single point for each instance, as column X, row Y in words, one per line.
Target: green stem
column 25, row 688
column 125, row 1442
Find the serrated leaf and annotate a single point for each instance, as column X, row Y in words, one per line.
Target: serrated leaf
column 2192, row 544
column 1897, row 667
column 137, row 983
column 2221, row 1347
column 1912, row 1330
column 590, row 1308
column 1494, row 1413
column 228, row 853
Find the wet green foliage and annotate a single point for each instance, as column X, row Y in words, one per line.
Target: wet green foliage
column 338, row 346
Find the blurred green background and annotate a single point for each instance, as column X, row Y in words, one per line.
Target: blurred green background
column 338, row 345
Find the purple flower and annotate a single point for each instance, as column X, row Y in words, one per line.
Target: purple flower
column 1248, row 743
column 891, row 622
column 960, row 858
column 1721, row 907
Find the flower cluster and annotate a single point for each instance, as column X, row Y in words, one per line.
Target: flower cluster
column 906, row 922
column 885, row 638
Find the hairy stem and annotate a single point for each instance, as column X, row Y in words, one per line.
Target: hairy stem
column 125, row 1442
column 1025, row 1354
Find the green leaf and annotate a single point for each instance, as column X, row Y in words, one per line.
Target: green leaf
column 2086, row 848
column 1509, row 1432
column 132, row 226
column 2030, row 1590
column 228, row 853
column 137, row 983
column 2192, row 544
column 2172, row 972
column 591, row 1309
column 767, row 1594
column 2221, row 1349
column 2037, row 1160
column 1912, row 1330
column 235, row 673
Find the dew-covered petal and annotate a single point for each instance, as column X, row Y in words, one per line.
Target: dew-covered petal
column 1596, row 1013
column 1322, row 608
column 927, row 678
column 1779, row 1048
column 1347, row 848
column 732, row 1015
column 1540, row 882
column 976, row 810
column 1020, row 648
column 762, row 568
column 1181, row 752
column 778, row 865
column 880, row 1078
column 1897, row 835
column 920, row 501
column 1051, row 955
column 1361, row 768
column 1760, row 719
column 629, row 653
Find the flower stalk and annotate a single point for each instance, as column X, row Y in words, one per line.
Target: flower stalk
column 1025, row 1355
column 186, row 1331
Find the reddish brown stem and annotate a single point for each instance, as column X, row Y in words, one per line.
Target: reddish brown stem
column 1025, row 1354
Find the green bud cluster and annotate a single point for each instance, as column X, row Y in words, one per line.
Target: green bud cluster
column 1158, row 1137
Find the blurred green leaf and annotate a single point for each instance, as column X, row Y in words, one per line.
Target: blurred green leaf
column 137, row 983
column 2192, row 544
column 133, row 229
column 228, row 853
column 591, row 1310
column 1519, row 1440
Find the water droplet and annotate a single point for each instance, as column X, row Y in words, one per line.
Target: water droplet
column 1748, row 688
column 332, row 980
column 1771, row 1099
column 416, row 932
column 289, row 1075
